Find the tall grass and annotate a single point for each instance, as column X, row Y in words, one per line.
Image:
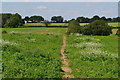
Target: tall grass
column 31, row 55
column 93, row 56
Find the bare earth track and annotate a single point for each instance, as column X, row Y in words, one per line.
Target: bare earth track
column 67, row 70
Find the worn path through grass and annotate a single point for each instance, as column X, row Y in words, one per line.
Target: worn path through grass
column 65, row 61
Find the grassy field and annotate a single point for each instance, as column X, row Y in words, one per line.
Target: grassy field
column 35, row 53
column 28, row 55
column 114, row 24
column 93, row 56
column 37, row 30
column 51, row 24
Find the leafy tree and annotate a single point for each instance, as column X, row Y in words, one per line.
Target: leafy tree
column 46, row 22
column 97, row 27
column 36, row 19
column 57, row 19
column 14, row 21
column 103, row 18
column 65, row 21
column 27, row 19
column 108, row 19
column 5, row 18
column 73, row 27
column 82, row 20
column 96, row 17
column 117, row 19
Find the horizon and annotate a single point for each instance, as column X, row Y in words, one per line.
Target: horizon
column 68, row 10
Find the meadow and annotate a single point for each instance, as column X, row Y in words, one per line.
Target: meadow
column 93, row 56
column 35, row 53
column 30, row 55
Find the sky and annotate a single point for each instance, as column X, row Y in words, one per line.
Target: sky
column 68, row 10
column 59, row 0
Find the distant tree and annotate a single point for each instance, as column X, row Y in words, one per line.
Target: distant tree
column 46, row 22
column 98, row 27
column 27, row 19
column 82, row 19
column 73, row 27
column 36, row 19
column 14, row 21
column 96, row 17
column 65, row 21
column 5, row 17
column 117, row 19
column 108, row 19
column 103, row 18
column 57, row 19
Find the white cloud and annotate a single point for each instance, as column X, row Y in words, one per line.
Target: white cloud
column 41, row 7
column 107, row 12
column 60, row 0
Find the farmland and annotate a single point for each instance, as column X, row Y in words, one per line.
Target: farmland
column 113, row 24
column 35, row 53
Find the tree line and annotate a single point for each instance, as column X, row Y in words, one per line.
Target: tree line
column 60, row 19
column 16, row 20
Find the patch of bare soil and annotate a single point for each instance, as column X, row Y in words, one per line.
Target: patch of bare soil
column 65, row 61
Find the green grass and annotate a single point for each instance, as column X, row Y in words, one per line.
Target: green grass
column 113, row 24
column 37, row 30
column 30, row 55
column 93, row 56
column 51, row 24
column 35, row 53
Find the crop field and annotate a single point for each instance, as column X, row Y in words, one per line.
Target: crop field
column 93, row 56
column 35, row 53
column 113, row 24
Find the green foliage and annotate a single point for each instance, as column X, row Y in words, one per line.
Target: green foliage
column 73, row 27
column 31, row 56
column 14, row 21
column 5, row 18
column 93, row 56
column 46, row 22
column 36, row 19
column 58, row 19
column 97, row 27
column 27, row 19
column 82, row 20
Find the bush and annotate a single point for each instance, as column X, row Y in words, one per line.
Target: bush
column 97, row 27
column 73, row 27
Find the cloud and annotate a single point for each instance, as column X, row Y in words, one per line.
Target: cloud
column 41, row 7
column 107, row 12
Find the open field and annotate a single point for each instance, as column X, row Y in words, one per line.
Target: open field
column 93, row 56
column 113, row 24
column 35, row 53
column 51, row 24
column 30, row 55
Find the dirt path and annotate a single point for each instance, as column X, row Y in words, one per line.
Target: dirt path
column 67, row 70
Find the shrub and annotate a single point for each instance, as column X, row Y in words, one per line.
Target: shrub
column 97, row 27
column 73, row 27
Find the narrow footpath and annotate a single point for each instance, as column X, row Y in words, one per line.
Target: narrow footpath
column 65, row 68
